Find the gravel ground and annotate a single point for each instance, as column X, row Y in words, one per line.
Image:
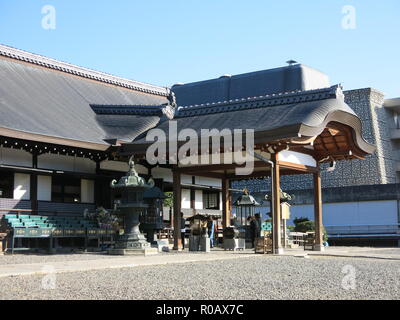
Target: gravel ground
column 46, row 258
column 392, row 252
column 24, row 258
column 263, row 277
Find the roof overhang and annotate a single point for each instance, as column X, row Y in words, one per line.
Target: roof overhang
column 40, row 138
column 393, row 104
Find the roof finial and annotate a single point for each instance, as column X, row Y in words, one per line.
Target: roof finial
column 291, row 62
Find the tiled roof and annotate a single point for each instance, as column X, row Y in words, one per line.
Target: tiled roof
column 55, row 104
column 260, row 102
column 139, row 110
column 272, row 117
column 80, row 71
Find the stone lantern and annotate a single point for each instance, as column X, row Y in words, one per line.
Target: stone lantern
column 131, row 207
column 245, row 207
column 152, row 220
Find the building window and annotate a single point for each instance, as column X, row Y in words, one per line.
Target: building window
column 6, row 185
column 66, row 189
column 211, row 200
column 397, row 120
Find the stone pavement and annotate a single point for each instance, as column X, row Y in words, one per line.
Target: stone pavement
column 357, row 252
column 112, row 262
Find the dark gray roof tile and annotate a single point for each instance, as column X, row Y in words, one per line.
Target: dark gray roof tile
column 41, row 101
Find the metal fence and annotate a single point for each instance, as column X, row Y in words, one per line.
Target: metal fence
column 363, row 229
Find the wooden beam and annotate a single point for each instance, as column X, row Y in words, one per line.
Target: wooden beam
column 302, row 149
column 41, row 138
column 34, row 184
column 214, row 167
column 297, row 167
column 226, row 213
column 318, row 212
column 257, row 174
column 205, row 174
column 192, row 198
column 177, row 191
column 276, row 206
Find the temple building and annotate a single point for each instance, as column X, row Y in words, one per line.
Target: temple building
column 67, row 131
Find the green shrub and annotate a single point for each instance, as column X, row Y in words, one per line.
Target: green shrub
column 304, row 225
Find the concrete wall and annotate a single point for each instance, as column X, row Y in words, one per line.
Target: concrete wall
column 351, row 213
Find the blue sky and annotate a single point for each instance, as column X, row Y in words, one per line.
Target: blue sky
column 164, row 42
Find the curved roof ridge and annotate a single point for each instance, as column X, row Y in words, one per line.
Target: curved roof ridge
column 66, row 67
column 262, row 101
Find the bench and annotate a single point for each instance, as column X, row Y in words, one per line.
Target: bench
column 52, row 227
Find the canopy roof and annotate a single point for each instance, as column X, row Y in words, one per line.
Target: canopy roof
column 319, row 116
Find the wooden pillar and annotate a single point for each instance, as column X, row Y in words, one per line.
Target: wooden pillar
column 98, row 188
column 319, row 246
column 276, row 205
column 193, row 195
column 176, row 182
column 34, row 185
column 226, row 212
column 192, row 198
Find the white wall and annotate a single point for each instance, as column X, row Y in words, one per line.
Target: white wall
column 44, row 188
column 213, row 182
column 162, row 173
column 66, row 163
column 351, row 213
column 186, row 179
column 166, row 174
column 56, row 162
column 22, row 183
column 297, row 158
column 121, row 166
column 15, row 157
column 84, row 165
column 185, row 199
column 198, row 199
column 87, row 191
column 114, row 165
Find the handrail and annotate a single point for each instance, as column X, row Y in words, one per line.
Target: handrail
column 17, row 210
column 370, row 228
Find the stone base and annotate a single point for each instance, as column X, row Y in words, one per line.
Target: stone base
column 278, row 251
column 234, row 244
column 318, row 247
column 205, row 244
column 129, row 252
column 199, row 243
column 194, row 243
